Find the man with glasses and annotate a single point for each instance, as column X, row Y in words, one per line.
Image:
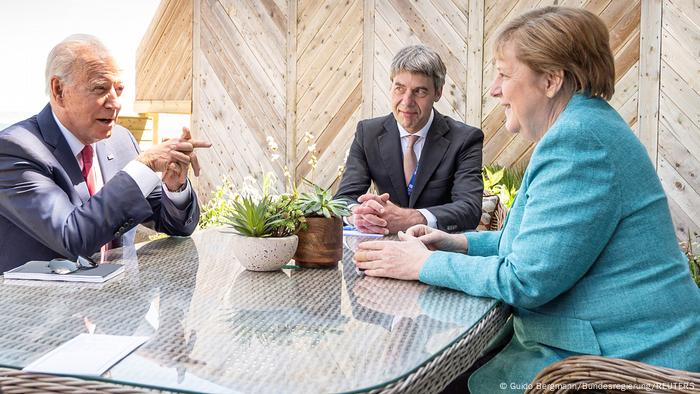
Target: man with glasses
column 73, row 182
column 426, row 166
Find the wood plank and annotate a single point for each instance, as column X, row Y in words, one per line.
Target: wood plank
column 382, row 102
column 321, row 25
column 262, row 47
column 683, row 222
column 455, row 12
column 368, row 40
column 677, row 24
column 392, row 30
column 325, row 49
column 328, row 83
column 678, row 190
column 336, row 154
column 334, row 100
column 328, row 137
column 225, row 123
column 453, row 38
column 171, row 47
column 675, row 122
column 686, row 165
column 629, row 109
column 196, row 125
column 475, row 59
column 493, row 122
column 649, row 77
column 626, row 87
column 341, row 60
column 628, row 55
column 258, row 93
column 239, row 85
column 689, row 8
column 165, row 106
column 495, row 12
column 290, row 82
column 510, row 154
column 497, row 144
column 419, row 27
column 685, row 63
column 677, row 89
column 625, row 26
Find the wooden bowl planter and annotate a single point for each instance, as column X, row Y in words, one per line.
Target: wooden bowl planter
column 321, row 244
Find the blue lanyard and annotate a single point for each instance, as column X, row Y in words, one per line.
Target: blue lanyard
column 409, row 188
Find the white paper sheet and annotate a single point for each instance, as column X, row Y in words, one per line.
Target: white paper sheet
column 86, row 355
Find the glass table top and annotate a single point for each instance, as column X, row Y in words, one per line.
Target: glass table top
column 215, row 327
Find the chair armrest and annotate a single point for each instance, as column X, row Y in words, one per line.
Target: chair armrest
column 594, row 374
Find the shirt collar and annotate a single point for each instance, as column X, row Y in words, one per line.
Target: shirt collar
column 422, row 132
column 73, row 142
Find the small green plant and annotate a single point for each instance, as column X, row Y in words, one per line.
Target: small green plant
column 693, row 259
column 503, row 182
column 267, row 217
column 320, row 202
column 216, row 209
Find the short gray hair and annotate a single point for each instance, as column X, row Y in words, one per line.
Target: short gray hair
column 420, row 59
column 67, row 54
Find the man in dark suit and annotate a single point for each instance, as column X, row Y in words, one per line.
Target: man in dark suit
column 426, row 166
column 72, row 181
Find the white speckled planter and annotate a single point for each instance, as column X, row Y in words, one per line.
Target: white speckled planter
column 263, row 254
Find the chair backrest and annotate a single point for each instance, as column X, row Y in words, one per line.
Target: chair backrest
column 493, row 213
column 579, row 372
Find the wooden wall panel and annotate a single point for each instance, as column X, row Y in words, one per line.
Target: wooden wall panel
column 241, row 83
column 287, row 67
column 679, row 113
column 329, row 84
column 622, row 19
column 164, row 60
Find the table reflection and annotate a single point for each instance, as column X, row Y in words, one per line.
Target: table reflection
column 215, row 327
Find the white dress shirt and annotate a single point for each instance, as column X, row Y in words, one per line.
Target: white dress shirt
column 417, row 148
column 145, row 178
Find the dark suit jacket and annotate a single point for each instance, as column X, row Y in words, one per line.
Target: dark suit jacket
column 45, row 208
column 448, row 181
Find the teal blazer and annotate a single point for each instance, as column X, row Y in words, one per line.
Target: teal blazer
column 588, row 257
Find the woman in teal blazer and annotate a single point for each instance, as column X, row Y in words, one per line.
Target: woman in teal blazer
column 588, row 257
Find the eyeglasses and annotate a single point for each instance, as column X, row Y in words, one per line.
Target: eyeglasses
column 63, row 266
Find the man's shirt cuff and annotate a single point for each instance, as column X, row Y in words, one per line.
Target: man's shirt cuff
column 180, row 198
column 429, row 218
column 145, row 178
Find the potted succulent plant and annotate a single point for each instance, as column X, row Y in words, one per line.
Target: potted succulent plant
column 321, row 242
column 265, row 230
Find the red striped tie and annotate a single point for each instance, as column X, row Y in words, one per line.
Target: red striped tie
column 88, row 173
column 89, row 176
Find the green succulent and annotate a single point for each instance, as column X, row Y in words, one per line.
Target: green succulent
column 320, row 202
column 269, row 217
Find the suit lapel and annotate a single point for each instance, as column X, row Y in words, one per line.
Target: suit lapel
column 105, row 156
column 390, row 151
column 433, row 151
column 61, row 150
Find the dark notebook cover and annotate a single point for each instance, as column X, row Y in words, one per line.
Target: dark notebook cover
column 39, row 270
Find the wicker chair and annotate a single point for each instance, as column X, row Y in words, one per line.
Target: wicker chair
column 493, row 213
column 593, row 374
column 13, row 381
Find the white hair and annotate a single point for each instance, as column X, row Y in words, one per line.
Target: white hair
column 68, row 54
